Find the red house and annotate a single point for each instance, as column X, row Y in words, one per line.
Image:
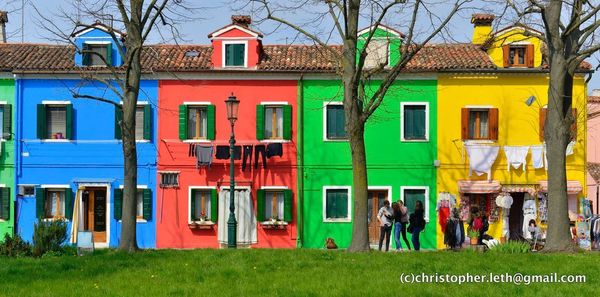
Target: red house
column 193, row 154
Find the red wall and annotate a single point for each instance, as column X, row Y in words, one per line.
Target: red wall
column 254, row 47
column 172, row 204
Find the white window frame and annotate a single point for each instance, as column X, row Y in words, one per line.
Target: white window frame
column 426, row 206
column 481, row 141
column 419, row 103
column 275, row 189
column 94, row 42
column 324, row 214
column 160, row 173
column 189, row 202
column 139, row 187
column 2, row 104
column 197, row 104
column 325, row 104
column 55, row 187
column 223, row 52
column 274, row 103
column 60, row 103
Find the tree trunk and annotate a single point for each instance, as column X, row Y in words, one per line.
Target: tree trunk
column 360, row 226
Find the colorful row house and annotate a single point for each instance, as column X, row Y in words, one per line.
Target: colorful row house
column 293, row 174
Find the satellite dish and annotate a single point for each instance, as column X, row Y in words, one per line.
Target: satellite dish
column 530, row 100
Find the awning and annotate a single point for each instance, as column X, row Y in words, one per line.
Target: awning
column 530, row 189
column 573, row 186
column 478, row 186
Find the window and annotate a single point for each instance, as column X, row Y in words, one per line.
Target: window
column 5, row 202
column 54, row 121
column 410, row 196
column 202, row 201
column 543, row 114
column 479, row 124
column 415, row 120
column 139, row 122
column 235, row 54
column 139, row 210
column 274, row 204
column 55, row 204
column 143, row 122
column 335, row 122
column 26, row 190
column 169, row 179
column 97, row 54
column 337, row 204
column 196, row 122
column 6, row 121
column 274, row 122
column 518, row 55
column 143, row 203
column 2, row 122
column 377, row 53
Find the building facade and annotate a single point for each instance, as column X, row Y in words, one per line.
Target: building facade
column 7, row 155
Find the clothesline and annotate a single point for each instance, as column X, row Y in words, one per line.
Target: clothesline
column 223, row 142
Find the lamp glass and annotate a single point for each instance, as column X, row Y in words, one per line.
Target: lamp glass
column 232, row 108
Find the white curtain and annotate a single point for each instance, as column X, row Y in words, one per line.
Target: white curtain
column 244, row 214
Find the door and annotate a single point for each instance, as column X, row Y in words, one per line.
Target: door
column 244, row 214
column 375, row 202
column 94, row 204
column 515, row 218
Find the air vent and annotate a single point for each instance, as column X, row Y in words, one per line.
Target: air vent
column 191, row 54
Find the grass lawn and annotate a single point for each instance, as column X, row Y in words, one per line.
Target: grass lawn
column 286, row 273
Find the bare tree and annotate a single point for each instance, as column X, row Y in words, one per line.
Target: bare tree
column 570, row 35
column 361, row 98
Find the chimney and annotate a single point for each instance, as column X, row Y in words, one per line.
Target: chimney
column 483, row 27
column 3, row 21
column 596, row 92
column 241, row 20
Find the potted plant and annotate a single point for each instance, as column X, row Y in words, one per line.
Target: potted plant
column 474, row 236
column 203, row 217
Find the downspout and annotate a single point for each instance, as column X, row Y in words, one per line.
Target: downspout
column 17, row 139
column 300, row 156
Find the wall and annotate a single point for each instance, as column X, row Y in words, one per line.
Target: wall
column 7, row 157
column 390, row 162
column 593, row 150
column 514, row 35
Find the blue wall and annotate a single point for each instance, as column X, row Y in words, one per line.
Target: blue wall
column 94, row 155
column 97, row 35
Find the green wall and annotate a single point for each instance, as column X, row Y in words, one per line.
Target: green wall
column 391, row 163
column 7, row 157
column 394, row 44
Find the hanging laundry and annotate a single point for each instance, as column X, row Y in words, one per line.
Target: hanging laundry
column 222, row 152
column 516, row 156
column 529, row 213
column 464, row 208
column 446, row 201
column 274, row 149
column 192, row 150
column 537, row 156
column 247, row 157
column 545, row 157
column 543, row 207
column 481, row 158
column 260, row 150
column 570, row 147
column 204, row 155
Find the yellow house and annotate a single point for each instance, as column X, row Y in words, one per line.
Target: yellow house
column 488, row 117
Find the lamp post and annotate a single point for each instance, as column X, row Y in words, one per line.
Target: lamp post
column 232, row 105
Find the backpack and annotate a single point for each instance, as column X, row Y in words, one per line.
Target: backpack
column 330, row 244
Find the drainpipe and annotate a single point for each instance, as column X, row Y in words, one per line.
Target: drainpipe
column 300, row 156
column 17, row 139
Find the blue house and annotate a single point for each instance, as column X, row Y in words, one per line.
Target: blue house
column 70, row 160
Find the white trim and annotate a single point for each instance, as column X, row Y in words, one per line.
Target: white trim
column 56, row 102
column 138, row 103
column 229, row 28
column 100, row 27
column 197, row 141
column 223, row 53
column 274, row 103
column 168, row 171
column 139, row 187
column 2, row 185
column 517, row 43
column 189, row 200
column 3, row 102
column 274, row 188
column 533, row 32
column 383, row 188
column 55, row 186
column 108, row 213
column 479, row 106
column 426, row 206
column 346, row 220
column 382, row 27
column 58, row 140
column 426, row 104
column 95, row 42
column 198, row 103
column 325, row 104
column 274, row 141
column 236, row 188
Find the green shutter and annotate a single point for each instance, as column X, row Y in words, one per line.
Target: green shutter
column 193, row 205
column 409, row 122
column 183, row 122
column 147, row 204
column 109, row 54
column 260, row 122
column 69, row 204
column 341, row 122
column 147, row 122
column 330, row 198
column 118, row 201
column 7, row 122
column 210, row 122
column 419, row 123
column 118, row 119
column 287, row 122
column 40, row 199
column 342, row 204
column 41, row 122
column 69, row 122
column 85, row 55
column 239, row 54
column 330, row 122
column 229, row 53
column 287, row 205
column 260, row 205
column 5, row 197
column 214, row 205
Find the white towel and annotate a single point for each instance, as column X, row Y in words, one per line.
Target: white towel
column 537, row 156
column 481, row 158
column 516, row 156
column 569, row 150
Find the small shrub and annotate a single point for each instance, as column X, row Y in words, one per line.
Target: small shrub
column 512, row 247
column 14, row 246
column 49, row 237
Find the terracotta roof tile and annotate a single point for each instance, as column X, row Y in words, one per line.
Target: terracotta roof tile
column 593, row 99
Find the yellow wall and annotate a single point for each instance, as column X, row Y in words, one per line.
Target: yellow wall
column 518, row 124
column 481, row 33
column 514, row 35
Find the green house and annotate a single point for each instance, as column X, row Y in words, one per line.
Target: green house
column 7, row 157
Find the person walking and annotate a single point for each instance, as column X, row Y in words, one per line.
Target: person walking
column 400, row 222
column 385, row 217
column 417, row 224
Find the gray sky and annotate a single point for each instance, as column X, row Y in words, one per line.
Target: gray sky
column 213, row 15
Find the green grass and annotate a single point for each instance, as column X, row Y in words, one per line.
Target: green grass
column 285, row 273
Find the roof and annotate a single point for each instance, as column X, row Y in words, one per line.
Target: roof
column 594, row 170
column 97, row 25
column 593, row 99
column 384, row 28
column 482, row 18
column 224, row 29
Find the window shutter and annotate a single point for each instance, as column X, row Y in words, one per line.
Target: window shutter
column 147, row 204
column 118, row 119
column 69, row 120
column 260, row 205
column 240, row 54
column 287, row 122
column 193, row 204
column 330, row 198
column 420, row 122
column 287, row 205
column 183, row 122
column 342, row 205
column 493, row 123
column 340, row 122
column 409, row 121
column 7, row 122
column 40, row 202
column 147, row 122
column 214, row 205
column 86, row 54
column 574, row 125
column 260, row 122
column 109, row 54
column 69, row 204
column 41, row 121
column 543, row 114
column 506, row 55
column 464, row 123
column 118, row 200
column 229, row 54
column 529, row 55
column 330, row 124
column 5, row 196
column 210, row 122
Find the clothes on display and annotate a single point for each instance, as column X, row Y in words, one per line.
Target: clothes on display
column 464, row 208
column 262, row 151
column 594, row 223
column 454, row 234
column 481, row 158
column 247, row 160
column 204, row 155
column 537, row 156
column 543, row 207
column 569, row 150
column 223, row 152
column 446, row 201
column 529, row 213
column 516, row 156
column 274, row 149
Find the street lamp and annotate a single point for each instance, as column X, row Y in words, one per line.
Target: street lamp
column 232, row 105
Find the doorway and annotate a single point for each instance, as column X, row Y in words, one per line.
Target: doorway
column 515, row 217
column 375, row 202
column 94, row 213
column 246, row 233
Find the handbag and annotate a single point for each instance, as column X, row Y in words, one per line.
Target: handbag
column 410, row 229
